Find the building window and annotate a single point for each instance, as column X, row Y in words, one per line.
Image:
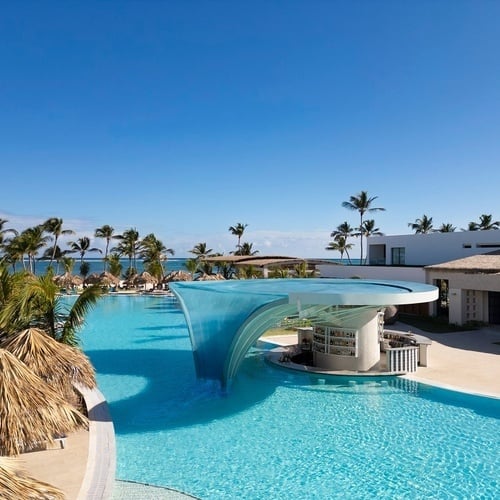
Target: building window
column 398, row 256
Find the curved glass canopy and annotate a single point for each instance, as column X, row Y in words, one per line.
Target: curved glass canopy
column 225, row 318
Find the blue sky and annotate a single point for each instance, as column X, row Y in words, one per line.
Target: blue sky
column 183, row 118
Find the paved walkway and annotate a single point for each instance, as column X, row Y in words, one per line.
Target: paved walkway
column 466, row 361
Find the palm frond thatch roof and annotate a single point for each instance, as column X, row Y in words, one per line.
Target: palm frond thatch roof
column 210, row 277
column 58, row 364
column 31, row 412
column 16, row 484
column 484, row 263
column 178, row 276
column 68, row 279
column 143, row 278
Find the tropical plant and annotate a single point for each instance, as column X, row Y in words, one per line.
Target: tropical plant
column 422, row 226
column 192, row 266
column 447, row 228
column 339, row 244
column 106, row 232
column 361, row 203
column 280, row 272
column 51, row 255
column 201, row 251
column 368, row 229
column 485, row 223
column 246, row 249
column 154, row 253
column 84, row 269
column 114, row 264
column 53, row 226
column 129, row 245
column 238, row 230
column 4, row 232
column 68, row 263
column 82, row 246
column 30, row 242
column 34, row 301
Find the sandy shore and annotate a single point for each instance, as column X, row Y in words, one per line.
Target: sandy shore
column 465, row 361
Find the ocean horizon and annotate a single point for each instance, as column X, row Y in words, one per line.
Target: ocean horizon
column 97, row 265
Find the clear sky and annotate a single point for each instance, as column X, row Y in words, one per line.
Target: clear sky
column 183, row 118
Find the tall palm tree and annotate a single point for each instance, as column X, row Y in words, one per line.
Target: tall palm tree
column 238, row 231
column 339, row 244
column 82, row 246
column 362, row 203
column 53, row 226
column 31, row 241
column 447, row 228
column 128, row 245
column 54, row 254
column 108, row 233
column 154, row 253
column 368, row 229
column 422, row 226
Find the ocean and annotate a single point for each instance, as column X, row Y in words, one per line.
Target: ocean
column 97, row 265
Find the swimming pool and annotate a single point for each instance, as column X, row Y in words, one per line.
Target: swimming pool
column 279, row 434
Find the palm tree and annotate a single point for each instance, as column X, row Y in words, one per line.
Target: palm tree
column 35, row 302
column 13, row 252
column 340, row 236
column 422, row 226
column 246, row 249
column 368, row 229
column 129, row 245
column 238, row 231
column 4, row 232
column 115, row 266
column 362, row 204
column 30, row 242
column 486, row 223
column 339, row 244
column 154, row 253
column 201, row 251
column 447, row 228
column 53, row 226
column 106, row 232
column 54, row 254
column 82, row 246
column 192, row 266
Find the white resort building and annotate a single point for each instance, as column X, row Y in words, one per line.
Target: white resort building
column 464, row 265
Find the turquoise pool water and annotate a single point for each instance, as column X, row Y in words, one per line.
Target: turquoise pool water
column 279, row 434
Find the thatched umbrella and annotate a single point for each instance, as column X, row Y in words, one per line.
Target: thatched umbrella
column 67, row 280
column 92, row 279
column 60, row 365
column 15, row 484
column 31, row 412
column 210, row 277
column 108, row 279
column 178, row 276
column 143, row 278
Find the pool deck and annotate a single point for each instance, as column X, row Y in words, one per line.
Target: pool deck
column 464, row 361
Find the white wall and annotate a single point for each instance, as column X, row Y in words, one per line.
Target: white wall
column 373, row 272
column 436, row 248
